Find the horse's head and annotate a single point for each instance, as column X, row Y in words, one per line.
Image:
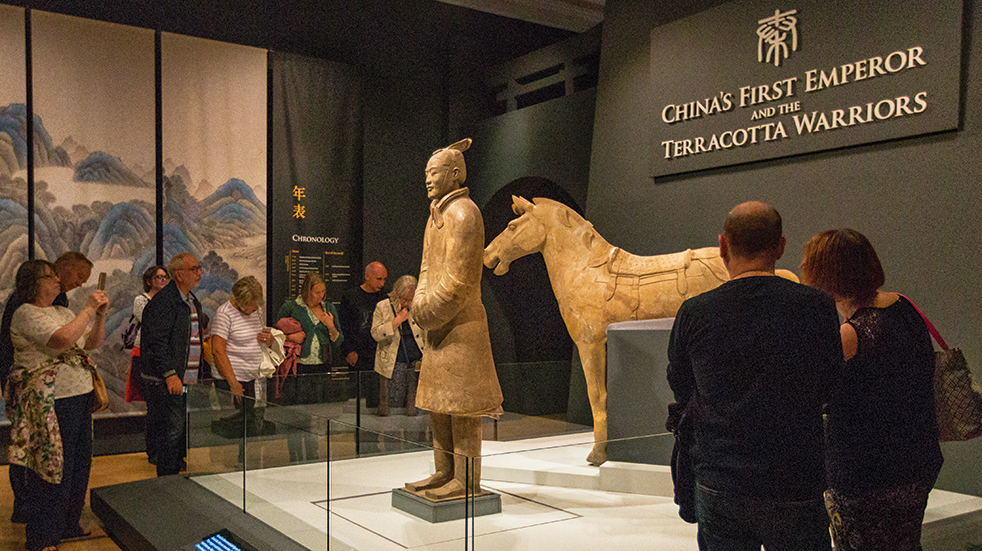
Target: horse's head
column 524, row 235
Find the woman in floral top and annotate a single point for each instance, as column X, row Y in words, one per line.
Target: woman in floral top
column 49, row 402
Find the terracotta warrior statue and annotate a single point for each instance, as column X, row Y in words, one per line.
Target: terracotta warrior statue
column 457, row 380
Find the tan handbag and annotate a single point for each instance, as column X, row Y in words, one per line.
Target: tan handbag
column 100, row 397
column 958, row 399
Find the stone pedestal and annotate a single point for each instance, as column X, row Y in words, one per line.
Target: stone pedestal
column 637, row 390
column 487, row 503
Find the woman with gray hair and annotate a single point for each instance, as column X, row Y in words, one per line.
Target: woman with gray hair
column 400, row 348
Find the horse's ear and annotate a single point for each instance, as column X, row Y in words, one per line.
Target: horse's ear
column 520, row 205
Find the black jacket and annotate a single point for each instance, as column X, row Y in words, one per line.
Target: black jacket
column 165, row 337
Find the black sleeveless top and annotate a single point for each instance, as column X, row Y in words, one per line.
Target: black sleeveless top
column 882, row 426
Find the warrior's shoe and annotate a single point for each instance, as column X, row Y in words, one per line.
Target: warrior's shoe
column 451, row 490
column 437, row 480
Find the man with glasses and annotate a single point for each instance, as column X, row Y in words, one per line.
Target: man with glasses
column 170, row 348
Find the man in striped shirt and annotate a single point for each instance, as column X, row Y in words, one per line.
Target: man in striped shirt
column 170, row 347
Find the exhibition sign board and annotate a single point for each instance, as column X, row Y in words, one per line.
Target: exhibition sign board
column 316, row 184
column 751, row 80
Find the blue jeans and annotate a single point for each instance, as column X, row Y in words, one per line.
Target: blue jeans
column 166, row 426
column 737, row 523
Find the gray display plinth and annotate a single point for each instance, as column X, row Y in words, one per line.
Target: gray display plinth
column 637, row 390
column 488, row 503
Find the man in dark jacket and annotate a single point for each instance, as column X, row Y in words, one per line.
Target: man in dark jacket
column 757, row 356
column 170, row 349
column 356, row 310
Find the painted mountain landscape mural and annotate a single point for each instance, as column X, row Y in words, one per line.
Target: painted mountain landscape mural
column 97, row 205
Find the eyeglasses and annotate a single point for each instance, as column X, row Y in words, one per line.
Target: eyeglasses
column 192, row 269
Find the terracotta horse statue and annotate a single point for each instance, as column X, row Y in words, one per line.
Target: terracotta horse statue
column 596, row 284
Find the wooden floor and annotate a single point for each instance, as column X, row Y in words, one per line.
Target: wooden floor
column 106, row 470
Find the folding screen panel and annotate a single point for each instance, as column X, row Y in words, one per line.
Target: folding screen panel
column 13, row 148
column 214, row 150
column 94, row 159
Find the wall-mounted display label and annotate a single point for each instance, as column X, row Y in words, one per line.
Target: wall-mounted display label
column 748, row 81
column 333, row 266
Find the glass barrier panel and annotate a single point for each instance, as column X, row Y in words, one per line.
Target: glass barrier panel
column 288, row 476
column 370, row 505
column 320, row 463
column 215, row 430
column 535, row 388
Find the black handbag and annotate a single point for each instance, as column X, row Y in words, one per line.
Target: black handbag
column 130, row 333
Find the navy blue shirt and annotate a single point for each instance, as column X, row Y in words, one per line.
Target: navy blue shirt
column 761, row 354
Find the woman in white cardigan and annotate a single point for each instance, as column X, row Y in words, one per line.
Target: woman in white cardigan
column 397, row 355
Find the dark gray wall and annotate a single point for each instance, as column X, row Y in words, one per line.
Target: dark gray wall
column 917, row 199
column 424, row 61
column 550, row 140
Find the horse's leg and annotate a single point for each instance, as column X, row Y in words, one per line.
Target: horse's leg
column 593, row 355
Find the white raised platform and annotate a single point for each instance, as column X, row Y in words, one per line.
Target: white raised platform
column 561, row 461
column 552, row 500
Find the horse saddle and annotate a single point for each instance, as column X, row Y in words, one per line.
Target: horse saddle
column 628, row 272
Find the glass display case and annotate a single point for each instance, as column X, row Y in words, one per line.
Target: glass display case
column 319, row 466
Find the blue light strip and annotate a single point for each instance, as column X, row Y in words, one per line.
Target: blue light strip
column 217, row 543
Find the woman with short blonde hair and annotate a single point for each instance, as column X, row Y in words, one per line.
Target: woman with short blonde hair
column 237, row 337
column 247, row 291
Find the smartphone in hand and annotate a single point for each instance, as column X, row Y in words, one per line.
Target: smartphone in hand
column 102, row 281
